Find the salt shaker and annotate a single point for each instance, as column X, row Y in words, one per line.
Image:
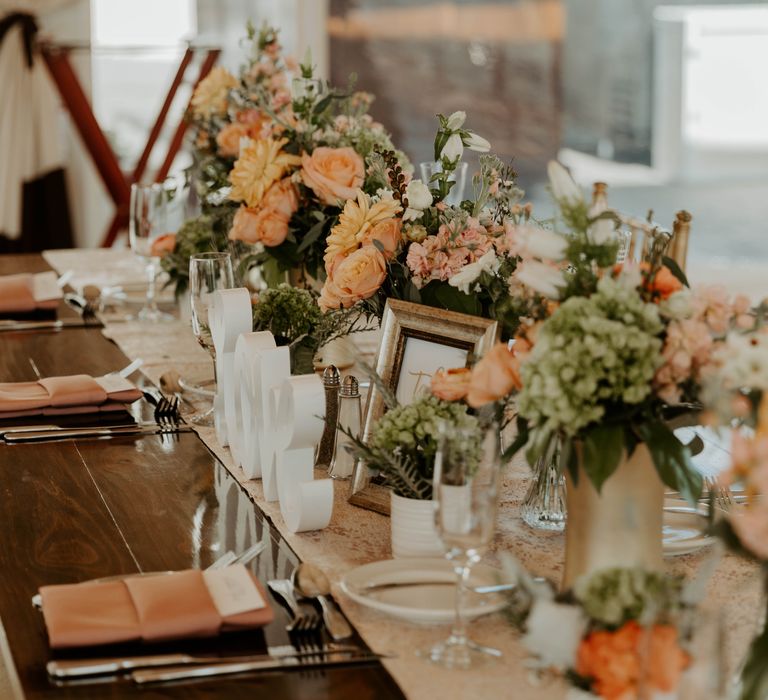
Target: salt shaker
column 350, row 418
column 331, row 383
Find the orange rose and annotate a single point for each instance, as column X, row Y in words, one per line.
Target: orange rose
column 333, row 174
column 451, row 384
column 357, row 277
column 282, row 197
column 245, row 226
column 620, row 662
column 665, row 283
column 387, row 233
column 228, row 139
column 272, row 227
column 666, row 660
column 252, row 117
column 162, row 245
column 494, row 376
column 611, row 660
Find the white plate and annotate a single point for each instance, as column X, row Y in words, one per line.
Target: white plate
column 426, row 604
column 684, row 530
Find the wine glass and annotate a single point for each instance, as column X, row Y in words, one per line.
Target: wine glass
column 149, row 220
column 208, row 272
column 465, row 491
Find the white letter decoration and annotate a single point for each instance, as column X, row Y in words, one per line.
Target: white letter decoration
column 305, row 504
column 229, row 316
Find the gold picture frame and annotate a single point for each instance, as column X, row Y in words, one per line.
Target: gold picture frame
column 408, row 331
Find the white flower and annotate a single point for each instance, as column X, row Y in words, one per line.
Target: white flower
column 469, row 273
column 540, row 277
column 419, row 196
column 678, row 305
column 477, row 143
column 456, row 121
column 601, row 232
column 562, row 184
column 553, row 633
column 453, row 149
column 631, row 276
column 537, row 242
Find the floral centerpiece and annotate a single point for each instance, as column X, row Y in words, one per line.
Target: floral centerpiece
column 294, row 318
column 737, row 390
column 604, row 355
column 406, row 242
column 279, row 153
column 619, row 634
column 401, row 451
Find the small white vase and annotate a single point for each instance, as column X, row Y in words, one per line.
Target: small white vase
column 413, row 528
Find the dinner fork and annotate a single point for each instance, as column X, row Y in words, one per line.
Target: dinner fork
column 722, row 496
column 303, row 623
column 166, row 412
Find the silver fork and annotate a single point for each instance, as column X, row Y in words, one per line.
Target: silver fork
column 723, row 498
column 302, row 622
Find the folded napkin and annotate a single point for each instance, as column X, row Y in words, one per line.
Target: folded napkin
column 28, row 292
column 154, row 608
column 77, row 393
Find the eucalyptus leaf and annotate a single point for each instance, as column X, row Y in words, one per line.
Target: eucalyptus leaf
column 603, row 447
column 311, row 236
column 676, row 270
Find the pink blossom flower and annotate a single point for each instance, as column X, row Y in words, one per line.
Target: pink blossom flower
column 687, row 349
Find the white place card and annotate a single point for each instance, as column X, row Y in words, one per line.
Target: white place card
column 45, row 286
column 233, row 590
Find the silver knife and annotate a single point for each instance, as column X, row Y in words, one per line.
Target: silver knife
column 376, row 587
column 46, row 325
column 78, row 668
column 311, row 660
column 66, row 434
column 80, row 428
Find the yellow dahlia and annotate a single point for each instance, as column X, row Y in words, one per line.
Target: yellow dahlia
column 260, row 164
column 358, row 217
column 210, row 96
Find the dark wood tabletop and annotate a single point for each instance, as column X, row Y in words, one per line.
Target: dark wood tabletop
column 76, row 510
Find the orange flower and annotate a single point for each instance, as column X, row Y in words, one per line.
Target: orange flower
column 162, row 245
column 333, row 174
column 269, row 223
column 665, row 284
column 621, row 662
column 387, row 233
column 358, row 276
column 228, row 139
column 494, row 376
column 451, row 384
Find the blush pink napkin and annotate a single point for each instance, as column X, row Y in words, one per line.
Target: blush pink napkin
column 148, row 608
column 17, row 295
column 78, row 393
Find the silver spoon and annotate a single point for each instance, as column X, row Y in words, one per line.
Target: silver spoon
column 310, row 582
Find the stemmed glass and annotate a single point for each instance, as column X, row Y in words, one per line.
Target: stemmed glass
column 207, row 273
column 465, row 492
column 149, row 219
column 458, row 177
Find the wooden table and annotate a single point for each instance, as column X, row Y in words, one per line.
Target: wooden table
column 72, row 511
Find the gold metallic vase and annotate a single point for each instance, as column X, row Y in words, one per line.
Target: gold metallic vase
column 620, row 526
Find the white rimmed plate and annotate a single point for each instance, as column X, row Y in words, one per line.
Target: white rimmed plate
column 429, row 602
column 684, row 530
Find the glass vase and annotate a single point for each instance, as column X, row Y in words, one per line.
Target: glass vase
column 544, row 507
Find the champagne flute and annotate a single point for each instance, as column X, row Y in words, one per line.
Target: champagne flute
column 466, row 492
column 149, row 213
column 458, row 177
column 208, row 272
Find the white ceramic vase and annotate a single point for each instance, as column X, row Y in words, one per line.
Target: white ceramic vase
column 413, row 528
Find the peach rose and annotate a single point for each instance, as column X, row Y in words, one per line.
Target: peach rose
column 282, row 197
column 451, row 384
column 611, row 660
column 245, row 226
column 162, row 245
column 333, row 174
column 387, row 233
column 272, row 227
column 494, row 376
column 357, row 277
column 228, row 139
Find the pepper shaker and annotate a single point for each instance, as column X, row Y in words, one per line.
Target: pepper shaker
column 331, row 384
column 350, row 418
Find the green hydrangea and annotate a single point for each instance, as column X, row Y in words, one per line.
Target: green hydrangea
column 288, row 312
column 614, row 596
column 592, row 353
column 405, row 440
